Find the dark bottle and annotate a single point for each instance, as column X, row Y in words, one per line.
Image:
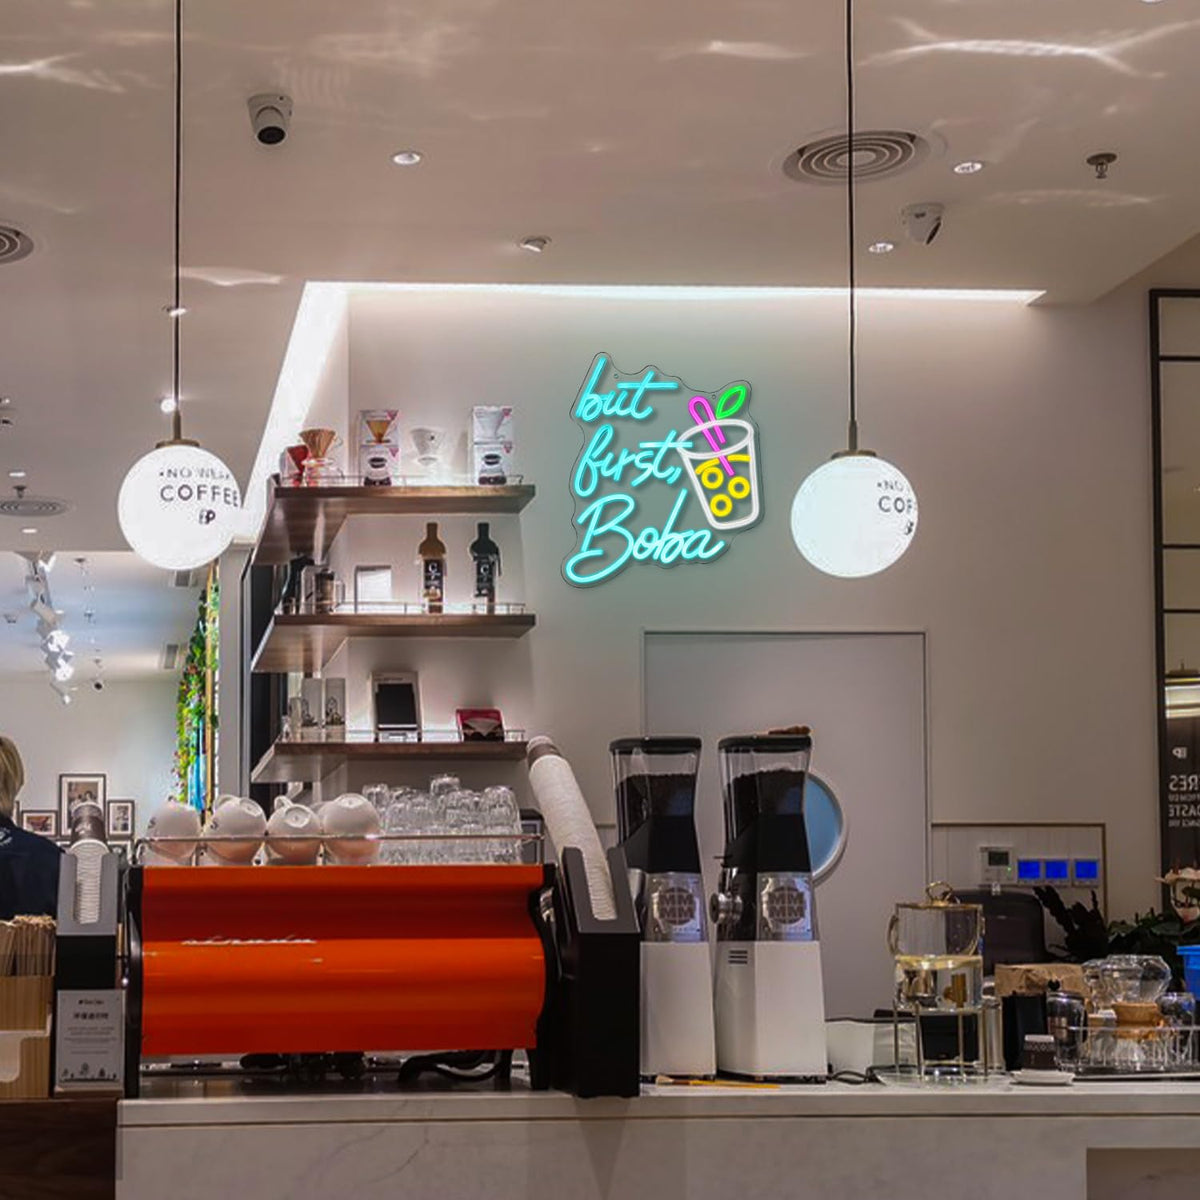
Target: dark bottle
column 486, row 554
column 432, row 552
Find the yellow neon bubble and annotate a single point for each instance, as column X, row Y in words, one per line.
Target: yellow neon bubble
column 721, row 505
column 739, row 488
column 711, row 476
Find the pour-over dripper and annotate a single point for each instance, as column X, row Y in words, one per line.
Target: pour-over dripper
column 379, row 427
column 428, row 442
column 319, row 468
column 488, row 420
column 318, row 441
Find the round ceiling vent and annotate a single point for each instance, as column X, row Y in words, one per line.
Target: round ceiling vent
column 32, row 506
column 14, row 244
column 878, row 153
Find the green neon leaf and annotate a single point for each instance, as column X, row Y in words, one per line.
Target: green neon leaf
column 727, row 410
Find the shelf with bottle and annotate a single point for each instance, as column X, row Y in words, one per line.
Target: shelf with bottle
column 305, row 520
column 304, row 760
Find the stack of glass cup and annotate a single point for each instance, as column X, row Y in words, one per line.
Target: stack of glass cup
column 447, row 824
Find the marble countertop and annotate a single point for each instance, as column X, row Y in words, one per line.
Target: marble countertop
column 241, row 1101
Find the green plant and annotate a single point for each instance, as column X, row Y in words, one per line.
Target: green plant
column 191, row 705
column 1086, row 934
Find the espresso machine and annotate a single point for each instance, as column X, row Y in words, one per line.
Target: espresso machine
column 655, row 782
column 769, row 1001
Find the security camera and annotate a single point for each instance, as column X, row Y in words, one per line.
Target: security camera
column 922, row 221
column 270, row 116
column 97, row 685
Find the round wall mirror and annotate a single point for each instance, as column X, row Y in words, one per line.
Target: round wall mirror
column 825, row 824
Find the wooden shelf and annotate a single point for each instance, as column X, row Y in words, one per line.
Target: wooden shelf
column 305, row 520
column 291, row 762
column 307, row 641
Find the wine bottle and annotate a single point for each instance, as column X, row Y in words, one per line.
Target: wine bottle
column 486, row 555
column 432, row 553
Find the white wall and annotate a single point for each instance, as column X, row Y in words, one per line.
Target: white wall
column 126, row 732
column 1024, row 430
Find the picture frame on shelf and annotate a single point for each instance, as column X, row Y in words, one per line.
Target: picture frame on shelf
column 119, row 818
column 372, row 586
column 79, row 789
column 40, row 821
column 396, row 706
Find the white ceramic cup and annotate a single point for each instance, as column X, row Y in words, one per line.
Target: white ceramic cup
column 242, row 818
column 351, row 814
column 172, row 820
column 299, row 832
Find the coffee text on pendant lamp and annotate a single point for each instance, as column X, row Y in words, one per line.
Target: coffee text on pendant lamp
column 179, row 505
column 856, row 514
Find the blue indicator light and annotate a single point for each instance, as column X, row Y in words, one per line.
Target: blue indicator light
column 1057, row 868
column 1087, row 870
column 1029, row 869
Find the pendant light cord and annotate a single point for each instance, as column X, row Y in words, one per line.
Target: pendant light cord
column 852, row 431
column 176, row 415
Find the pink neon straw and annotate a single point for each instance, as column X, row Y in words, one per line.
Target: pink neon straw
column 701, row 404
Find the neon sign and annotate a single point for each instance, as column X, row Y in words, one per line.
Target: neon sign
column 666, row 475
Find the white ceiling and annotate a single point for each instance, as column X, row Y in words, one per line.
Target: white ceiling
column 135, row 614
column 645, row 139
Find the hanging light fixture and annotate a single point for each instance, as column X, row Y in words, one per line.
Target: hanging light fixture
column 179, row 504
column 856, row 514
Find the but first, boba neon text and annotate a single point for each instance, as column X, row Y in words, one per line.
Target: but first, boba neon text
column 632, row 495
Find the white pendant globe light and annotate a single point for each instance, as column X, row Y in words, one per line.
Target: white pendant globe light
column 856, row 514
column 179, row 505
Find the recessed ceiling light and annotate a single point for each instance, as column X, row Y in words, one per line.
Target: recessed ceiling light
column 881, row 247
column 970, row 167
column 28, row 529
column 16, row 474
column 535, row 245
column 168, row 404
column 407, row 158
column 174, row 310
column 5, row 401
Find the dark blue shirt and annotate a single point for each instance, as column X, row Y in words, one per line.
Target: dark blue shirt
column 29, row 867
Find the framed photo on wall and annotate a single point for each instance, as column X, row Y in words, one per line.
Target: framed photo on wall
column 78, row 789
column 118, row 819
column 45, row 823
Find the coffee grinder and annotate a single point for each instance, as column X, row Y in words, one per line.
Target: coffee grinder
column 770, row 1005
column 655, row 781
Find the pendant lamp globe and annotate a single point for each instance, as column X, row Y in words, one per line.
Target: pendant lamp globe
column 179, row 505
column 856, row 514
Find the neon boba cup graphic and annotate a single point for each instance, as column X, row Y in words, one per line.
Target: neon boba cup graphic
column 722, row 464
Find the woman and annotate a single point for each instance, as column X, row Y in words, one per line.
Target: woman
column 29, row 864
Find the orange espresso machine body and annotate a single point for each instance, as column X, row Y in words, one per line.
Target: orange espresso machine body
column 294, row 960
